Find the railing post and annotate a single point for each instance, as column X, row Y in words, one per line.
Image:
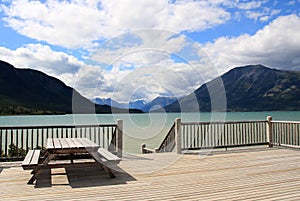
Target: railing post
column 178, row 135
column 270, row 131
column 143, row 146
column 0, row 143
column 119, row 138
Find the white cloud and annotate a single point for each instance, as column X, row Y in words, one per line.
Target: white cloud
column 143, row 68
column 79, row 23
column 138, row 48
column 276, row 45
column 164, row 79
column 250, row 5
column 142, row 65
column 41, row 57
column 263, row 15
column 57, row 22
column 291, row 3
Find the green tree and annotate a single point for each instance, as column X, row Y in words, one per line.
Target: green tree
column 15, row 151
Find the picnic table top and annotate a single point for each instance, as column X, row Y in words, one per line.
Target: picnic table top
column 70, row 143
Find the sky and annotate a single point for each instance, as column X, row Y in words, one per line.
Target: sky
column 129, row 50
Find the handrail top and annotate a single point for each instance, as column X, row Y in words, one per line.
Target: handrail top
column 290, row 122
column 223, row 122
column 58, row 126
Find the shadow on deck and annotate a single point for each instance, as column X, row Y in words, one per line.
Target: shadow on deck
column 77, row 177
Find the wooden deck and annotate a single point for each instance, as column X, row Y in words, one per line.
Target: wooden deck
column 257, row 173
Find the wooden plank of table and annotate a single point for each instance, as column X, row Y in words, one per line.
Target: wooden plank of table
column 49, row 144
column 88, row 143
column 64, row 143
column 56, row 143
column 71, row 143
column 77, row 142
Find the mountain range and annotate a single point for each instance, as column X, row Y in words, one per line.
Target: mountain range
column 155, row 104
column 27, row 91
column 248, row 88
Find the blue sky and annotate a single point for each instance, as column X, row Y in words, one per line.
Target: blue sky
column 130, row 50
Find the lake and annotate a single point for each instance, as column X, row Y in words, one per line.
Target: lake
column 149, row 128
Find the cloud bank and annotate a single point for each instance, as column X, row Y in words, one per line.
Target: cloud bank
column 75, row 24
column 276, row 45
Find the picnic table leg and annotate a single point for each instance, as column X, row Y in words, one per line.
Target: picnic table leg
column 106, row 169
column 37, row 171
column 72, row 158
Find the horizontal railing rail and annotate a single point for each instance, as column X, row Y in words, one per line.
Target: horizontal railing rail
column 16, row 141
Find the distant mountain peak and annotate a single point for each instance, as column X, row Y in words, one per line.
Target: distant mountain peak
column 140, row 104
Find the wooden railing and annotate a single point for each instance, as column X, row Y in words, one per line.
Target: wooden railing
column 167, row 145
column 286, row 133
column 16, row 141
column 205, row 135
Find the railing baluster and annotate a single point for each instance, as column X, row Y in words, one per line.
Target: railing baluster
column 107, row 136
column 43, row 142
column 11, row 137
column 31, row 139
column 187, row 136
column 258, row 132
column 37, row 138
column 1, row 141
column 26, row 139
column 6, row 143
column 198, row 137
column 47, row 133
column 298, row 135
column 17, row 138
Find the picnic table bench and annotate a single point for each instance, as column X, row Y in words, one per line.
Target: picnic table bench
column 31, row 160
column 75, row 148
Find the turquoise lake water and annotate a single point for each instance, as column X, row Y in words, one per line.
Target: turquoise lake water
column 149, row 128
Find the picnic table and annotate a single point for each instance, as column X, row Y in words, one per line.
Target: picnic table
column 74, row 148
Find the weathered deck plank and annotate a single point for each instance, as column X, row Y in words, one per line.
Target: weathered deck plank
column 266, row 174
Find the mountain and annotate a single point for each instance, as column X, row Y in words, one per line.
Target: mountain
column 108, row 101
column 248, row 88
column 157, row 103
column 27, row 91
column 138, row 104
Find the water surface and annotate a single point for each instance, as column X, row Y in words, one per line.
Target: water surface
column 149, row 128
